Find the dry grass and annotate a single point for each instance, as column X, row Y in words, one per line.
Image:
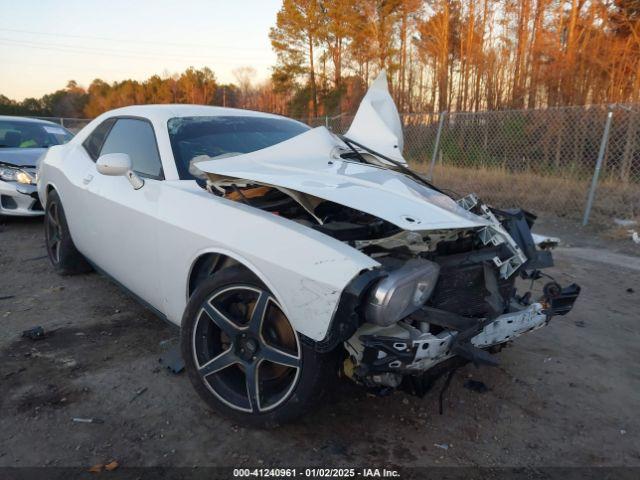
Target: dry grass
column 565, row 197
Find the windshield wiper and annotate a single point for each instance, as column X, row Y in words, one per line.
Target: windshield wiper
column 400, row 166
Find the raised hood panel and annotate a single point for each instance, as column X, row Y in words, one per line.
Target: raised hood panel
column 377, row 122
column 309, row 163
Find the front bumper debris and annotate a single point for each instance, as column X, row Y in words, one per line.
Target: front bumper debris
column 405, row 350
column 562, row 302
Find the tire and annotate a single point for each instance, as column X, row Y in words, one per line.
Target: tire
column 233, row 331
column 63, row 254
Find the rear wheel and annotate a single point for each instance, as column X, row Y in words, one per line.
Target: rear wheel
column 243, row 356
column 63, row 254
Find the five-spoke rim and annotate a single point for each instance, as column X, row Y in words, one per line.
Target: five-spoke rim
column 245, row 350
column 54, row 232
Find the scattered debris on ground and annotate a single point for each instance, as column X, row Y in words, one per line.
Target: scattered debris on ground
column 622, row 222
column 35, row 333
column 138, row 393
column 172, row 359
column 99, row 467
column 475, row 386
column 580, row 412
column 87, row 420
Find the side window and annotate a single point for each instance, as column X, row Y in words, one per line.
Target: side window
column 94, row 141
column 135, row 138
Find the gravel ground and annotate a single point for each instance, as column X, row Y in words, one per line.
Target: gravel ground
column 565, row 395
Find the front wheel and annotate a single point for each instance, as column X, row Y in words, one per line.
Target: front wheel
column 63, row 254
column 243, row 356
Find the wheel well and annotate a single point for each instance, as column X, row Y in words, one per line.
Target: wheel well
column 207, row 265
column 48, row 190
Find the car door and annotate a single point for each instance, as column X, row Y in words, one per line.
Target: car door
column 121, row 224
column 79, row 169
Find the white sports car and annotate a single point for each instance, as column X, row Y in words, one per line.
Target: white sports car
column 286, row 253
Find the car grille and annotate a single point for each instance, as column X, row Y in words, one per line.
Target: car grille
column 463, row 290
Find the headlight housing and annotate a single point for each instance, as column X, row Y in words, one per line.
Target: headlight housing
column 402, row 292
column 14, row 174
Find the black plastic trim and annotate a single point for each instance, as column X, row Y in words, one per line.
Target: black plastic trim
column 563, row 302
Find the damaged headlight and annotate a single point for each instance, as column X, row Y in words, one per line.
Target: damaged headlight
column 12, row 174
column 402, row 292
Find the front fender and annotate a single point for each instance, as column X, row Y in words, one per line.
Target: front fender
column 306, row 270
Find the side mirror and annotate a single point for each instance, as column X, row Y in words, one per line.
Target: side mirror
column 114, row 164
column 117, row 164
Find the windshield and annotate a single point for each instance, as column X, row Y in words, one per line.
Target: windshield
column 226, row 136
column 20, row 134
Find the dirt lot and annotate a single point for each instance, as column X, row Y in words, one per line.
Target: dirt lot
column 566, row 395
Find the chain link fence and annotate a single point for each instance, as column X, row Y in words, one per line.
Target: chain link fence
column 564, row 161
column 74, row 125
column 541, row 160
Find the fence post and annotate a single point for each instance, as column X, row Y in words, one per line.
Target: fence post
column 437, row 145
column 61, row 122
column 596, row 172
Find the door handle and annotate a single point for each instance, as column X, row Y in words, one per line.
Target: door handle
column 86, row 180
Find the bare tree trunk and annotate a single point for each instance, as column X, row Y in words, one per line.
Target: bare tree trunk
column 312, row 77
column 403, row 60
column 520, row 74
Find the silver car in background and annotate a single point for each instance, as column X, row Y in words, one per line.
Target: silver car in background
column 22, row 142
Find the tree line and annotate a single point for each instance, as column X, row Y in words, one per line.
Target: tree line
column 458, row 55
column 198, row 86
column 439, row 55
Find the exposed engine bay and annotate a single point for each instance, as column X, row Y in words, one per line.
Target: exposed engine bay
column 337, row 221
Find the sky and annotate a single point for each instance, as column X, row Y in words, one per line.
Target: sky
column 46, row 43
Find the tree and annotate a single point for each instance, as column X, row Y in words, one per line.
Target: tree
column 299, row 27
column 68, row 102
column 244, row 77
column 436, row 40
column 338, row 27
column 197, row 86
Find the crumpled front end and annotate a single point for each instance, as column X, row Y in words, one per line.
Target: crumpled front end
column 462, row 305
column 444, row 285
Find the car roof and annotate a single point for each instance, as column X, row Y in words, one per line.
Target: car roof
column 26, row 119
column 164, row 112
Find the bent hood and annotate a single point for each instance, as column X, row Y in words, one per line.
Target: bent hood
column 377, row 122
column 310, row 163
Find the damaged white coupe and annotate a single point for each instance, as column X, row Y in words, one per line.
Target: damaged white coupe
column 290, row 255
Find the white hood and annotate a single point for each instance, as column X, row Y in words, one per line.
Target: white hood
column 309, row 163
